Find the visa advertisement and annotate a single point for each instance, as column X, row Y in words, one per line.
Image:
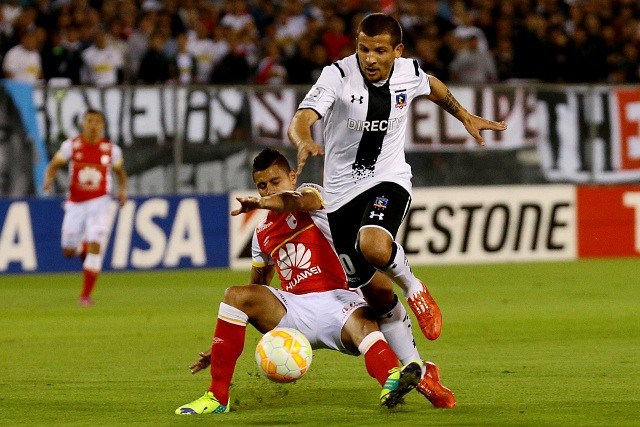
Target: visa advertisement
column 146, row 233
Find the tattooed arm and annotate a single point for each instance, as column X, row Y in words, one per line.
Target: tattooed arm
column 441, row 95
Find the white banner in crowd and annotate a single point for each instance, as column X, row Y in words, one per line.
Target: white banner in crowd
column 582, row 134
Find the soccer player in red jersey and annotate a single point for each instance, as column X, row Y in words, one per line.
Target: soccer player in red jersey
column 91, row 158
column 315, row 299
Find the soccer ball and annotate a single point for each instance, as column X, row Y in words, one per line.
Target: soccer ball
column 283, row 355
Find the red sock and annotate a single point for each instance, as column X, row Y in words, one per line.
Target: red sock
column 89, row 281
column 379, row 360
column 227, row 346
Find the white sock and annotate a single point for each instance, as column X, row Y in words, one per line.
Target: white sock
column 92, row 262
column 369, row 340
column 396, row 328
column 230, row 314
column 400, row 272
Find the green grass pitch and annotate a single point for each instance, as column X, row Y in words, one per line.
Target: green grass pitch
column 522, row 344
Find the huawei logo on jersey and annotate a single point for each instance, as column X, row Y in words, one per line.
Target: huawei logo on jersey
column 295, row 256
column 292, row 256
column 89, row 177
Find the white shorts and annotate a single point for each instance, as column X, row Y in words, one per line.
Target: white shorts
column 88, row 221
column 320, row 316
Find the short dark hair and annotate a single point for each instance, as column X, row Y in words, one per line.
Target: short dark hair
column 269, row 157
column 95, row 111
column 379, row 23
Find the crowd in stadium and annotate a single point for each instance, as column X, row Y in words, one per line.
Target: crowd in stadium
column 105, row 42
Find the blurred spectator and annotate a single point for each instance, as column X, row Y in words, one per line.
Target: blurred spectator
column 154, row 67
column 233, row 67
column 548, row 40
column 23, row 62
column 206, row 51
column 427, row 56
column 270, row 69
column 185, row 62
column 335, row 39
column 530, row 50
column 471, row 65
column 103, row 64
column 115, row 37
column 503, row 55
column 300, row 66
column 291, row 23
column 137, row 44
column 10, row 10
column 61, row 58
column 237, row 17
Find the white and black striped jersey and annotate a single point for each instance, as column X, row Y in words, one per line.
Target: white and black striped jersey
column 364, row 126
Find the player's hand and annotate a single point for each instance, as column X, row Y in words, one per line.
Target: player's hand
column 306, row 149
column 122, row 198
column 246, row 204
column 203, row 363
column 474, row 124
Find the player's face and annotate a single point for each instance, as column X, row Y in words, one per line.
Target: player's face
column 93, row 126
column 274, row 180
column 376, row 55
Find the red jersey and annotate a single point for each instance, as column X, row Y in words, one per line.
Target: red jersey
column 298, row 244
column 89, row 167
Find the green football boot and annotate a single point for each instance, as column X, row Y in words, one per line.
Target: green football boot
column 206, row 404
column 400, row 382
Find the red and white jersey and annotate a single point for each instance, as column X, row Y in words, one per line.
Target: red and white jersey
column 89, row 167
column 299, row 244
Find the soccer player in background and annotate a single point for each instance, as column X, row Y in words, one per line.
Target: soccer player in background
column 91, row 158
column 363, row 100
column 314, row 299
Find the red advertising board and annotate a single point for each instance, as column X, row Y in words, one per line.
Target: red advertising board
column 608, row 221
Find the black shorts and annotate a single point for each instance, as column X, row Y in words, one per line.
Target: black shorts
column 384, row 205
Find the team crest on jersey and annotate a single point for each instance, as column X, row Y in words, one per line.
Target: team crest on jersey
column 89, row 177
column 105, row 147
column 381, row 203
column 77, row 156
column 314, row 94
column 401, row 100
column 292, row 221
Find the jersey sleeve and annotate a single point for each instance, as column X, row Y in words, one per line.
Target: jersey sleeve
column 317, row 189
column 258, row 257
column 424, row 86
column 65, row 151
column 323, row 93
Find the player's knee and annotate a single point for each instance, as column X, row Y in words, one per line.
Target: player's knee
column 233, row 296
column 69, row 252
column 376, row 255
column 375, row 247
column 93, row 247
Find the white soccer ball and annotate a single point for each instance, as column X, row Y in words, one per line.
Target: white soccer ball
column 283, row 355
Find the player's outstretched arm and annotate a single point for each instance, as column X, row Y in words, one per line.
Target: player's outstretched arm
column 300, row 136
column 441, row 95
column 287, row 201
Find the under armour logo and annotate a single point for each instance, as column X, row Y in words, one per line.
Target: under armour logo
column 354, row 99
column 379, row 215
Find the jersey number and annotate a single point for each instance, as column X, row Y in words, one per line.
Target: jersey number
column 347, row 264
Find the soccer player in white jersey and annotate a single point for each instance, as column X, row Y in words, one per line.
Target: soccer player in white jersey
column 363, row 100
column 91, row 158
column 314, row 299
